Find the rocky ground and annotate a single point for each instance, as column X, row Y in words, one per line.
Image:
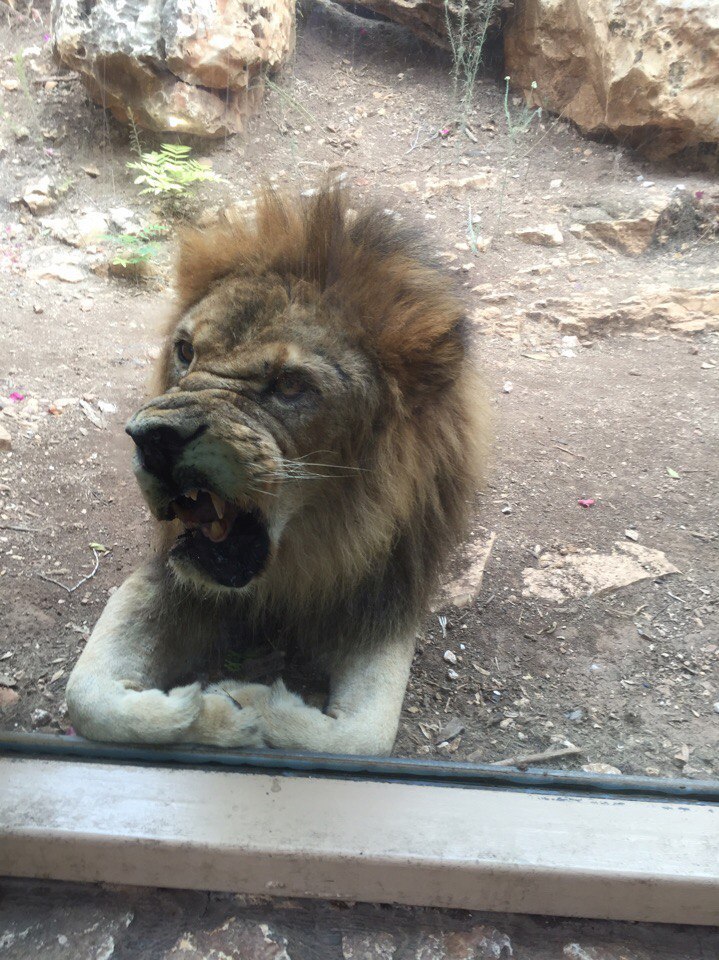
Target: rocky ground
column 591, row 278
column 92, row 922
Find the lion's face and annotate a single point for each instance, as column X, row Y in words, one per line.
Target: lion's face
column 265, row 399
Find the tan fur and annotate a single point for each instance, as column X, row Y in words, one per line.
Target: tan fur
column 397, row 427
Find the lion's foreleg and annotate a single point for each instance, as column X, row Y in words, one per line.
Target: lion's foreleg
column 366, row 695
column 117, row 689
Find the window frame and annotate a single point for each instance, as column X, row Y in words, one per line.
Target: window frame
column 407, row 831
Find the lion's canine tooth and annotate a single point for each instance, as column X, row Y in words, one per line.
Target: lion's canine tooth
column 219, row 504
column 216, row 530
column 192, row 494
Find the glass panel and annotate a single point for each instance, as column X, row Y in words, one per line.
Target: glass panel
column 308, row 441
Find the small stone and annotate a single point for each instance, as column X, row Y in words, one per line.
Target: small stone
column 40, row 196
column 22, row 133
column 601, row 768
column 452, row 675
column 632, row 535
column 507, row 386
column 105, row 407
column 545, row 235
column 716, row 707
column 40, row 718
column 8, row 698
column 7, row 681
column 450, row 657
column 5, row 440
column 555, row 184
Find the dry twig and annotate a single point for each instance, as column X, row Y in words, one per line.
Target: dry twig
column 80, row 582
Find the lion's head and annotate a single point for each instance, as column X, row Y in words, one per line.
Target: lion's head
column 317, row 428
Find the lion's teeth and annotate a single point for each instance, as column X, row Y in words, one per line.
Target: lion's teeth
column 192, row 494
column 217, row 530
column 219, row 504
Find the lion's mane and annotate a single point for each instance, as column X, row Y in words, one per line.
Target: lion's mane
column 361, row 562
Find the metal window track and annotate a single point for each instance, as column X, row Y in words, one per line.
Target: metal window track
column 361, row 829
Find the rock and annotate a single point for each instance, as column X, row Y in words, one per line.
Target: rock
column 681, row 310
column 457, row 185
column 233, row 938
column 8, row 698
column 428, row 18
column 123, row 219
column 546, row 235
column 587, row 574
column 605, row 768
column 466, row 587
column 137, row 270
column 40, row 196
column 5, row 440
column 449, row 657
column 648, row 73
column 58, row 269
column 632, row 236
column 364, row 946
column 40, row 717
column 186, row 66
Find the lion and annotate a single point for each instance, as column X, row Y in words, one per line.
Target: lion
column 310, row 453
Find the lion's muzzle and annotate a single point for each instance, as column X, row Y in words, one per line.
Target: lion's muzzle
column 187, row 473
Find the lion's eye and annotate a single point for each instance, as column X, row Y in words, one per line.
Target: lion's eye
column 289, row 386
column 185, row 352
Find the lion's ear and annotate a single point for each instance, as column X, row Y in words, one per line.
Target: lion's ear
column 206, row 255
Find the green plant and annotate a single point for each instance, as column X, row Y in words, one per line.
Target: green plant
column 170, row 171
column 22, row 77
column 467, row 23
column 519, row 122
column 132, row 249
column 135, row 145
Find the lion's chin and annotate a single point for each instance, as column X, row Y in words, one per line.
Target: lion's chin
column 232, row 562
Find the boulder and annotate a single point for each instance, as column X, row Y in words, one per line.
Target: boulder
column 647, row 73
column 188, row 66
column 428, row 18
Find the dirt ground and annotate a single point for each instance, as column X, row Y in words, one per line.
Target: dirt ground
column 628, row 417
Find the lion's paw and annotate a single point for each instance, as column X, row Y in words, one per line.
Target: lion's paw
column 242, row 694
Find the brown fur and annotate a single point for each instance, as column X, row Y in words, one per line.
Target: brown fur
column 359, row 561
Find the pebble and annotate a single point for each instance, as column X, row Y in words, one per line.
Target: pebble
column 601, row 768
column 40, row 717
column 452, row 675
column 450, row 657
column 8, row 698
column 507, row 386
column 545, row 235
column 5, row 440
column 716, row 707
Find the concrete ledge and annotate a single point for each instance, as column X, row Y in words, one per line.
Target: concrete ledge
column 428, row 845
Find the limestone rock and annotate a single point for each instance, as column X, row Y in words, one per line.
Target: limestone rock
column 588, row 574
column 189, row 66
column 646, row 72
column 428, row 18
column 40, row 196
column 631, row 236
column 546, row 235
column 681, row 310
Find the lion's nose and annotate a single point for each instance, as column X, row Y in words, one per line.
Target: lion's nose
column 160, row 445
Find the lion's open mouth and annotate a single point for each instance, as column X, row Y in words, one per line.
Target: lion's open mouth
column 230, row 543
